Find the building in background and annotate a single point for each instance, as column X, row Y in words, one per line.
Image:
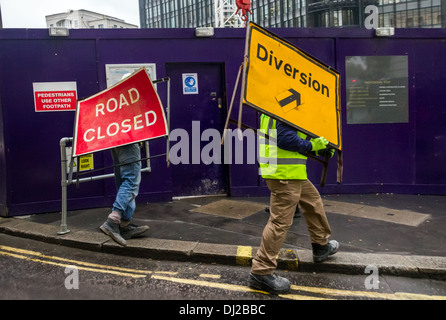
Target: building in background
column 296, row 13
column 412, row 13
column 176, row 13
column 84, row 19
column 343, row 13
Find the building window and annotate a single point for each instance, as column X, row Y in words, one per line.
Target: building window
column 297, row 13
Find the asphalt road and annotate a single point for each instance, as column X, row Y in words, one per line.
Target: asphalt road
column 33, row 270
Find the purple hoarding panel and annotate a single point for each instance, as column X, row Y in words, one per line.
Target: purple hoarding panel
column 405, row 157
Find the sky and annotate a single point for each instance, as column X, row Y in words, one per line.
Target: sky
column 31, row 13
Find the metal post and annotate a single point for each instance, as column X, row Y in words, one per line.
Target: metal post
column 1, row 22
column 168, row 116
column 168, row 123
column 63, row 163
column 148, row 167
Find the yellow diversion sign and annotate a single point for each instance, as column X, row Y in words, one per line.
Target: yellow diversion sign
column 288, row 84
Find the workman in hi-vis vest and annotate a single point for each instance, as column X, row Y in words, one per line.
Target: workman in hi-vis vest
column 283, row 166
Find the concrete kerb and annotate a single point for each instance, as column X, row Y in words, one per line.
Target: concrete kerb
column 142, row 247
column 386, row 264
column 288, row 259
column 31, row 230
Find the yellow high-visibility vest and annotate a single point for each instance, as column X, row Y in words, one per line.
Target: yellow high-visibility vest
column 276, row 163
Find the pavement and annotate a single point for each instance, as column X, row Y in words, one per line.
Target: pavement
column 401, row 235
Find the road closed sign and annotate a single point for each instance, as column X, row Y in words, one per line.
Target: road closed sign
column 288, row 84
column 128, row 112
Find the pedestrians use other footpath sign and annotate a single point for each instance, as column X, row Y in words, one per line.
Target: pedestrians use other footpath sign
column 54, row 96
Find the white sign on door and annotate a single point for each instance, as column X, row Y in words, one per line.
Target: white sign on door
column 190, row 83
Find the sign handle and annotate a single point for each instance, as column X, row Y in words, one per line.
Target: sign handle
column 324, row 170
column 340, row 167
column 325, row 163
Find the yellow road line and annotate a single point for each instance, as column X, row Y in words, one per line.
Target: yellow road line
column 417, row 296
column 231, row 287
column 212, row 276
column 135, row 273
column 293, row 296
column 301, row 297
column 87, row 264
column 64, row 265
column 203, row 283
column 172, row 273
column 368, row 294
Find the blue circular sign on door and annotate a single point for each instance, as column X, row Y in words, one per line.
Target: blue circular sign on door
column 189, row 81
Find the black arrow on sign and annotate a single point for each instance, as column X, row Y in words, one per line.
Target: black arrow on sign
column 295, row 96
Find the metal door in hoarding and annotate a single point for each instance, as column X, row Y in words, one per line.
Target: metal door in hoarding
column 198, row 114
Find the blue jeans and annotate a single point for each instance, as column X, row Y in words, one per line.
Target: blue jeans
column 127, row 179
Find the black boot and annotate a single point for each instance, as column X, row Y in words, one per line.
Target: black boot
column 132, row 231
column 321, row 252
column 271, row 283
column 111, row 229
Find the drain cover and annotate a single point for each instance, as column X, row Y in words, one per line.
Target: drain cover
column 231, row 208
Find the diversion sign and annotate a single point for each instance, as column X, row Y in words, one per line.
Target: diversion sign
column 128, row 112
column 288, row 84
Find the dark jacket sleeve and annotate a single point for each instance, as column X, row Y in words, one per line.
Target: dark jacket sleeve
column 288, row 139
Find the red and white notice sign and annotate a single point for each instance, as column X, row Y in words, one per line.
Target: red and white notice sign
column 128, row 112
column 55, row 96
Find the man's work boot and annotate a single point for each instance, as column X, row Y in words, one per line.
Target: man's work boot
column 321, row 252
column 132, row 231
column 111, row 229
column 271, row 283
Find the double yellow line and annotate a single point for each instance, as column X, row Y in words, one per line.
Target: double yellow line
column 367, row 294
column 62, row 262
column 316, row 293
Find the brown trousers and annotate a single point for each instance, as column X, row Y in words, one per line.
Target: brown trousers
column 285, row 195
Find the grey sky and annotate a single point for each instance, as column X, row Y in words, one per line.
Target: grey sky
column 31, row 13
